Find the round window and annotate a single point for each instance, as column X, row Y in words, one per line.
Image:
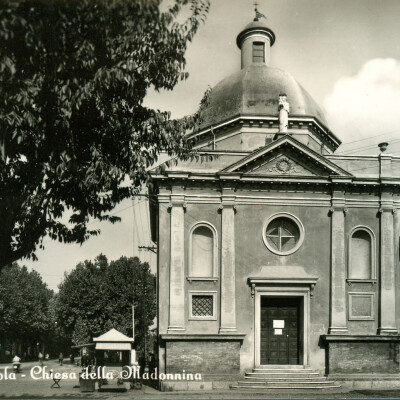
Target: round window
column 283, row 233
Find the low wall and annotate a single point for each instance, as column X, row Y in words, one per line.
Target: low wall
column 209, row 358
column 362, row 354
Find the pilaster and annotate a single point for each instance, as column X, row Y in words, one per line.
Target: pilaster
column 177, row 265
column 338, row 317
column 228, row 265
column 385, row 165
column 387, row 320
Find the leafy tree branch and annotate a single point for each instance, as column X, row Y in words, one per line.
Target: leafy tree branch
column 73, row 77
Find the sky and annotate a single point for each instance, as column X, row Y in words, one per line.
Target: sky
column 345, row 53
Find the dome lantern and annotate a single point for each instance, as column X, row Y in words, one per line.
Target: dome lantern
column 255, row 41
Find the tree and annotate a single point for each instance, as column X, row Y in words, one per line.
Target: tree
column 97, row 296
column 25, row 317
column 80, row 335
column 73, row 76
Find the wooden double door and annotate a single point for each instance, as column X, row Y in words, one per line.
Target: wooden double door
column 280, row 330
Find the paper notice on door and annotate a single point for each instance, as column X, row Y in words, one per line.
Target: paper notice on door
column 279, row 323
column 277, row 331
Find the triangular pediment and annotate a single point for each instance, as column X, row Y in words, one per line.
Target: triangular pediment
column 286, row 157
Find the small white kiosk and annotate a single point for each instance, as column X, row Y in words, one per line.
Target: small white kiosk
column 116, row 341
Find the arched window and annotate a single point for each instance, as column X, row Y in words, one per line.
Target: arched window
column 361, row 254
column 203, row 251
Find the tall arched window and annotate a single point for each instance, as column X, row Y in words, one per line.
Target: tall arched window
column 361, row 254
column 203, row 251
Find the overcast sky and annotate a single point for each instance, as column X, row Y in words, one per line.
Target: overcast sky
column 345, row 53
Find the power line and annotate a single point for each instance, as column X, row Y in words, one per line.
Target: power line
column 365, row 148
column 370, row 137
column 149, row 248
column 373, row 166
column 98, row 222
column 141, row 225
column 134, row 233
column 136, row 227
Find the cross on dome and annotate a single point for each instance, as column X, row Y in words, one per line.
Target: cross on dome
column 258, row 14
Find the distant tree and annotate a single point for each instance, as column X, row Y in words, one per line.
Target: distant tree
column 73, row 77
column 80, row 334
column 97, row 296
column 25, row 317
column 55, row 340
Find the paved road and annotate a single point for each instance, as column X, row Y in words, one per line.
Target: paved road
column 30, row 383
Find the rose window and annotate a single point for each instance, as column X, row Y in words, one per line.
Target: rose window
column 283, row 234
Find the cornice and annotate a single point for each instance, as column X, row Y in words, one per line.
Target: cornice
column 237, row 199
column 261, row 179
column 331, row 139
column 261, row 30
column 288, row 141
column 360, row 338
column 223, row 152
column 178, row 174
column 341, row 179
column 200, row 336
column 389, row 181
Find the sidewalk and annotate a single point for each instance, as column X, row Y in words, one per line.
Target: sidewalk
column 26, row 387
column 32, row 382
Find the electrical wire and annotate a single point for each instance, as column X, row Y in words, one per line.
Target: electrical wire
column 371, row 137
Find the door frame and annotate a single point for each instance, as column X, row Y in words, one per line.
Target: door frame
column 282, row 291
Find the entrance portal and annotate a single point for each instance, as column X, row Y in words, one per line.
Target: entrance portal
column 280, row 340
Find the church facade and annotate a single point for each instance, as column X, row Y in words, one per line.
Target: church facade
column 272, row 249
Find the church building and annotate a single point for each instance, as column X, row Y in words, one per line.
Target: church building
column 276, row 256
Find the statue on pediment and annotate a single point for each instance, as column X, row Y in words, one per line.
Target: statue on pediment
column 283, row 108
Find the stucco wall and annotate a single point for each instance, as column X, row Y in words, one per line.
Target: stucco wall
column 313, row 255
column 251, row 255
column 196, row 213
column 369, row 218
column 163, row 262
column 397, row 256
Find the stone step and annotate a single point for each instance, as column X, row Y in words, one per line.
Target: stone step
column 278, row 379
column 284, row 389
column 283, row 371
column 281, row 374
column 303, row 384
column 291, row 379
column 282, row 367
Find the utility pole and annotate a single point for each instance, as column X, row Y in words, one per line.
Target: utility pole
column 148, row 248
column 144, row 280
column 133, row 351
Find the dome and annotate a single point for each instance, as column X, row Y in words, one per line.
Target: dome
column 256, row 23
column 254, row 91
